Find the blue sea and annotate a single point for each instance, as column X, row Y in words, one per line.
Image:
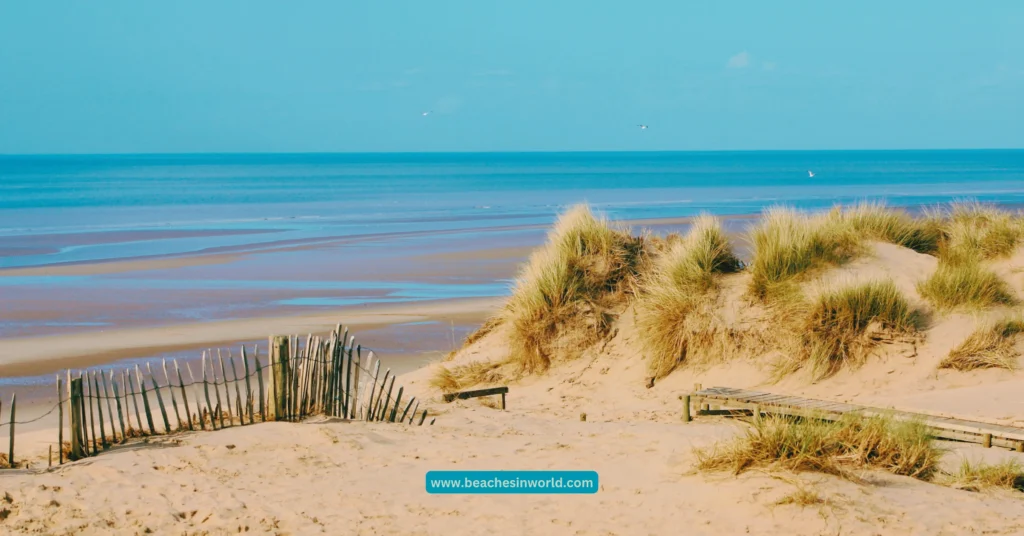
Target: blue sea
column 305, row 196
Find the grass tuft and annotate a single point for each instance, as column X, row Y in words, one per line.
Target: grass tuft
column 802, row 497
column 978, row 232
column 788, row 244
column 681, row 281
column 563, row 297
column 1008, row 474
column 840, row 323
column 876, row 220
column 458, row 378
column 900, row 447
column 990, row 346
column 964, row 284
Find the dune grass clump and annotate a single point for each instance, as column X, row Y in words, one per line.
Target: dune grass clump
column 1008, row 474
column 852, row 442
column 965, row 285
column 453, row 379
column 977, row 232
column 990, row 346
column 838, row 325
column 681, row 280
column 788, row 244
column 875, row 220
column 564, row 297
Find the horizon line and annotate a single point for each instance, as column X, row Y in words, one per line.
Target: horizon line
column 382, row 153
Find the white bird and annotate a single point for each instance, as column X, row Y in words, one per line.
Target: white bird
column 426, row 113
column 810, row 173
column 642, row 127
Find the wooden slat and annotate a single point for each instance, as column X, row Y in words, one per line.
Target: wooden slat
column 248, row 386
column 174, row 398
column 944, row 427
column 60, row 423
column 159, row 398
column 473, row 394
column 120, row 413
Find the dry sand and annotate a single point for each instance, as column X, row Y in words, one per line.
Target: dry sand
column 324, row 477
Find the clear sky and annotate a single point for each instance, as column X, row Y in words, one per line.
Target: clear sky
column 353, row 76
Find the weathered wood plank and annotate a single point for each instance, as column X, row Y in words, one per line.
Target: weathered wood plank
column 10, row 451
column 120, row 413
column 473, row 394
column 110, row 413
column 98, row 396
column 248, row 386
column 159, row 399
column 75, row 405
column 945, row 427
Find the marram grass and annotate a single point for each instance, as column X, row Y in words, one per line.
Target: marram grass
column 832, row 447
column 680, row 282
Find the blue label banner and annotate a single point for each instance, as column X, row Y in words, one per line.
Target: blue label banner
column 512, row 482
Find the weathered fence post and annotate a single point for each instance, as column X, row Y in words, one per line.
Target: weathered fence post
column 227, row 392
column 92, row 414
column 99, row 410
column 75, row 401
column 686, row 408
column 120, row 414
column 373, row 388
column 10, row 452
column 398, row 400
column 259, row 380
column 380, row 395
column 159, row 398
column 110, row 412
column 145, row 400
column 248, row 386
column 414, row 410
column 85, row 415
column 60, row 423
column 279, row 374
column 407, row 408
column 346, row 401
column 355, row 383
column 184, row 395
column 126, row 376
column 387, row 400
column 238, row 392
column 206, row 391
column 174, row 399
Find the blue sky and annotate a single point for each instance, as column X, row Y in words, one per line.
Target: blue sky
column 351, row 76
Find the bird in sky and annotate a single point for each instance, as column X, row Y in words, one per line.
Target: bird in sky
column 810, row 173
column 642, row 127
column 426, row 113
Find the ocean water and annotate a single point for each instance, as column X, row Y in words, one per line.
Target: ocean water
column 302, row 196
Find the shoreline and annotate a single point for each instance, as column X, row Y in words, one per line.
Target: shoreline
column 34, row 356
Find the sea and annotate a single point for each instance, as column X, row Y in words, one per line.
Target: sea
column 311, row 195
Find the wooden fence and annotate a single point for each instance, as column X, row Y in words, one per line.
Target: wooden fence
column 320, row 376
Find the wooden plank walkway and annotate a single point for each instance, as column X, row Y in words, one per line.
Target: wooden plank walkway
column 944, row 427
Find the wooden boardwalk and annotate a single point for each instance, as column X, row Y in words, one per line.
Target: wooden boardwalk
column 955, row 429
